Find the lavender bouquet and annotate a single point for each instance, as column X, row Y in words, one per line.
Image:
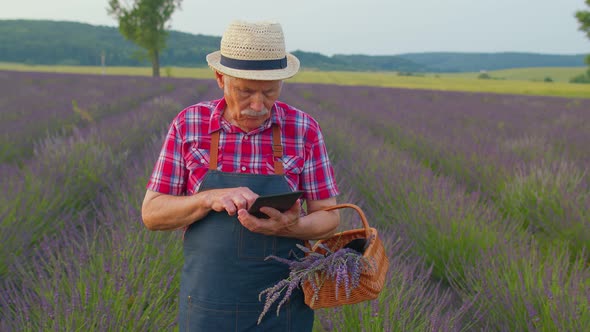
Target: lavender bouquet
column 344, row 265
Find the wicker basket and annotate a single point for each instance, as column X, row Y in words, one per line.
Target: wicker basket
column 371, row 281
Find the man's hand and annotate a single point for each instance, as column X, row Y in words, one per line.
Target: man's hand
column 167, row 212
column 231, row 199
column 278, row 224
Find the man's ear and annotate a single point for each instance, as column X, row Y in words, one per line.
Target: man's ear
column 219, row 78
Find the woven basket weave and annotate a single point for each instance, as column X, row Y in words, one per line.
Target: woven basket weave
column 371, row 281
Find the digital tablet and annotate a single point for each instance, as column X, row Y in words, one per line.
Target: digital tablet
column 281, row 202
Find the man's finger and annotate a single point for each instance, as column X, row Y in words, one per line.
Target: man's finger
column 271, row 213
column 240, row 202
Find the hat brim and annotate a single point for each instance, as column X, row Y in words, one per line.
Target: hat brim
column 214, row 61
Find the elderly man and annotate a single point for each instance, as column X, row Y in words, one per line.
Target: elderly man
column 217, row 158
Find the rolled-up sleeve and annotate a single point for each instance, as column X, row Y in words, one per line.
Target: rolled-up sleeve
column 170, row 174
column 318, row 180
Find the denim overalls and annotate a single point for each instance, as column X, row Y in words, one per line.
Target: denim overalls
column 224, row 267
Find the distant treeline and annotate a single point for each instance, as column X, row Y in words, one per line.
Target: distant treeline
column 70, row 43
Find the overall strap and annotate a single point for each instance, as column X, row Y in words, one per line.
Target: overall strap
column 214, row 150
column 277, row 149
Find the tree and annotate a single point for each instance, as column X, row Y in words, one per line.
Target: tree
column 144, row 23
column 583, row 17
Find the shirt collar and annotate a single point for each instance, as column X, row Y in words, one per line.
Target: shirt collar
column 277, row 114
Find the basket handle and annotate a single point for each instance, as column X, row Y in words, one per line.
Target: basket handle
column 358, row 210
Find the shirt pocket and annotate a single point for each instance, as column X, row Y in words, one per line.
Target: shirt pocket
column 197, row 164
column 293, row 167
column 292, row 164
column 197, row 158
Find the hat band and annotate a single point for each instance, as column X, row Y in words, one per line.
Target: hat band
column 254, row 64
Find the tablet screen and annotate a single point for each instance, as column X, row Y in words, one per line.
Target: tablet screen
column 281, row 202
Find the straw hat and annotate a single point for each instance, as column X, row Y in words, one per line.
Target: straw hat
column 254, row 51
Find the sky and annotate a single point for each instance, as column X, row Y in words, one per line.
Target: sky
column 373, row 27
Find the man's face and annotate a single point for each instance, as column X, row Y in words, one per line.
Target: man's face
column 249, row 102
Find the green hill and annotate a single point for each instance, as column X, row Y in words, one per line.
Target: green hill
column 40, row 42
column 473, row 62
column 359, row 63
column 71, row 43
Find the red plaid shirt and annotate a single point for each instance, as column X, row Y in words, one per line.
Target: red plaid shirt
column 184, row 158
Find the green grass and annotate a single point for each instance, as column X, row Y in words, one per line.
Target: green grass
column 444, row 82
column 97, row 70
column 557, row 74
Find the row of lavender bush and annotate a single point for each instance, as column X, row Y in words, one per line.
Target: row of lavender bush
column 70, row 264
column 495, row 266
column 470, row 243
column 66, row 173
column 101, row 270
column 528, row 154
column 106, row 274
column 38, row 105
column 97, row 274
column 113, row 275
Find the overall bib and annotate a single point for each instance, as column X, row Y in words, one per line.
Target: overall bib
column 224, row 268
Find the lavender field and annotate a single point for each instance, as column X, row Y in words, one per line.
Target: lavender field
column 482, row 201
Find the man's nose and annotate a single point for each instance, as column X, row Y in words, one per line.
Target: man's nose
column 257, row 102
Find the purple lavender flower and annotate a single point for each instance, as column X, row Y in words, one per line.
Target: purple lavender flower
column 344, row 266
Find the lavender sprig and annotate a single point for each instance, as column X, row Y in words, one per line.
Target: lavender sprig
column 344, row 266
